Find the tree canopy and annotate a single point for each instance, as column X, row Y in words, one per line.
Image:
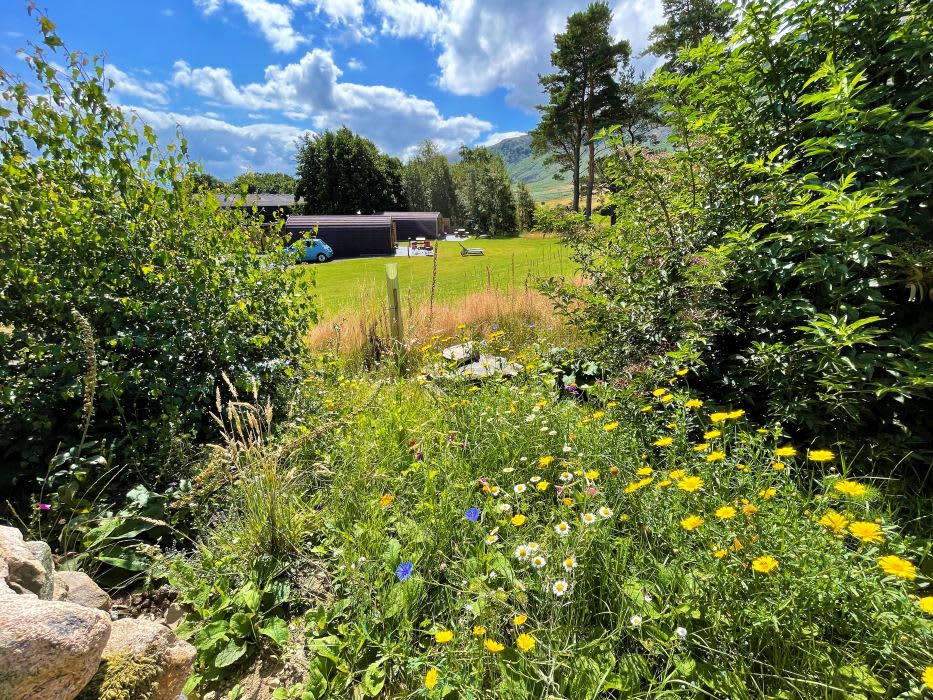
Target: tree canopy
column 266, row 183
column 340, row 172
column 687, row 23
column 484, row 192
column 428, row 184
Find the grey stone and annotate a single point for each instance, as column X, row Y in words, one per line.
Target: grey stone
column 48, row 649
column 25, row 572
column 43, row 553
column 154, row 640
column 83, row 591
column 467, row 352
column 488, row 366
column 174, row 615
column 59, row 587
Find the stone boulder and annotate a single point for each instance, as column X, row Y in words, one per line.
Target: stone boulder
column 48, row 649
column 82, row 590
column 26, row 573
column 467, row 352
column 43, row 553
column 144, row 660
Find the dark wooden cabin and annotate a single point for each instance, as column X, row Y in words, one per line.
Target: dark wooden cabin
column 417, row 224
column 270, row 207
column 349, row 235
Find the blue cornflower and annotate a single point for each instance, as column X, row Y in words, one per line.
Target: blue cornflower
column 404, row 570
column 472, row 514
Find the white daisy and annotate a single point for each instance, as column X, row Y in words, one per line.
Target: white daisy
column 560, row 587
column 605, row 512
column 636, row 620
column 492, row 538
column 570, row 563
column 681, row 632
column 562, row 528
column 520, row 488
column 566, row 477
column 521, row 552
column 508, row 470
column 495, row 490
column 533, row 547
column 539, row 562
column 535, row 479
column 505, row 508
column 588, row 518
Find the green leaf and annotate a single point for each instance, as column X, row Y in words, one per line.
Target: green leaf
column 276, row 629
column 230, row 654
column 374, row 678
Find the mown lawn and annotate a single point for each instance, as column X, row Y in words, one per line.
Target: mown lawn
column 346, row 285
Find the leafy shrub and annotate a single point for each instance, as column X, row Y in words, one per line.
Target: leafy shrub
column 124, row 292
column 785, row 240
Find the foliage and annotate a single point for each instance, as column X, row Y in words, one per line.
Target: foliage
column 484, row 192
column 782, row 239
column 265, row 183
column 686, row 24
column 123, row 677
column 525, row 207
column 587, row 92
column 340, row 172
column 651, row 608
column 128, row 346
column 427, row 182
column 206, row 181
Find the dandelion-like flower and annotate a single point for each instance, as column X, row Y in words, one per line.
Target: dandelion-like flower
column 767, row 494
column 717, row 456
column 719, row 417
column 525, row 642
column 702, row 447
column 559, row 588
column 430, row 679
column 518, row 520
column 443, row 636
column 926, row 604
column 786, row 451
column 562, row 528
column 609, row 427
column 492, row 646
column 644, row 471
column 895, row 566
column 386, row 500
column 659, row 392
column 693, row 403
column 927, row 677
column 546, row 460
column 663, row 442
column 834, row 521
column 677, row 474
column 821, row 455
column 867, row 532
column 850, row 488
column 725, row 512
column 542, row 486
column 588, row 518
column 479, row 631
column 711, row 434
column 691, row 522
column 520, row 620
column 765, row 564
column 690, row 483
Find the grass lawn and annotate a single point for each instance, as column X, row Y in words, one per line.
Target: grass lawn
column 347, row 285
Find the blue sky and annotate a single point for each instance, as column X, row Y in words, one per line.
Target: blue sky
column 245, row 78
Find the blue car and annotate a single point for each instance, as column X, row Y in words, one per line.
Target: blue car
column 312, row 249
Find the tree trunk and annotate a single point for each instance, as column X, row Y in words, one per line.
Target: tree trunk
column 576, row 185
column 590, row 172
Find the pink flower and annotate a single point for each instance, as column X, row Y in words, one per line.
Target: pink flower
column 591, row 491
column 45, row 506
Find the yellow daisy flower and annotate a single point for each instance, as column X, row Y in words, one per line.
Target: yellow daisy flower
column 765, row 564
column 544, row 461
column 834, row 521
column 926, row 604
column 719, row 417
column 767, row 494
column 659, row 392
column 867, row 532
column 693, row 403
column 609, row 427
column 677, row 474
column 786, row 451
column 525, row 642
column 644, row 471
column 851, row 488
column 443, row 636
column 492, row 646
column 663, row 442
column 691, row 522
column 430, row 679
column 520, row 620
column 518, row 520
column 690, row 483
column 711, row 434
column 386, row 500
column 715, row 456
column 821, row 455
column 895, row 566
column 681, row 372
column 702, row 447
column 725, row 512
column 479, row 631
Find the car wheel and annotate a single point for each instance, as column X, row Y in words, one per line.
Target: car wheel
column 321, row 257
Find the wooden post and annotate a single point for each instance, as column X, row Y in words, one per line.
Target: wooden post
column 395, row 306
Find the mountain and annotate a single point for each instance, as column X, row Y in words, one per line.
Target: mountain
column 525, row 167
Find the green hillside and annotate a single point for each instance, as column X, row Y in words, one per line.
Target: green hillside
column 527, row 168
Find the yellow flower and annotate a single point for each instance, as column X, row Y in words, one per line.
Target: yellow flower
column 778, row 466
column 718, row 417
column 725, row 512
column 677, row 474
column 927, row 677
column 611, row 404
column 667, row 398
column 691, row 522
column 820, row 455
column 690, row 483
column 525, row 642
column 742, row 467
column 479, row 631
column 749, row 509
column 720, row 553
column 430, row 679
column 767, row 494
column 592, row 474
column 443, row 636
column 786, row 451
column 493, row 646
column 681, row 372
column 568, row 501
column 665, row 482
column 895, row 566
column 765, row 564
column 715, row 456
column 609, row 427
column 598, row 414
column 520, row 620
column 542, row 485
column 663, row 442
column 646, row 409
column 702, row 447
column 659, row 392
column 544, row 461
column 732, row 415
column 693, row 403
column 711, row 434
column 851, row 488
column 386, row 500
column 632, row 487
column 926, row 604
column 473, row 389
column 644, row 482
column 867, row 532
column 644, row 471
column 518, row 520
column 613, row 469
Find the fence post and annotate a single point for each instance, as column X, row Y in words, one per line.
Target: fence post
column 395, row 306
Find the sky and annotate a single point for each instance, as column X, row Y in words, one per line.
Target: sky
column 244, row 79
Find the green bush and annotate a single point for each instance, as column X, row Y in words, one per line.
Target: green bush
column 786, row 240
column 125, row 294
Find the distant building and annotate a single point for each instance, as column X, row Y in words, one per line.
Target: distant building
column 268, row 206
column 349, row 235
column 417, row 224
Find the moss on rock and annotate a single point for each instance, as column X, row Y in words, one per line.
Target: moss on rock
column 123, row 677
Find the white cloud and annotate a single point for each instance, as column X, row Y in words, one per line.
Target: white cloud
column 503, row 43
column 495, row 138
column 125, row 85
column 311, row 88
column 346, row 11
column 226, row 149
column 356, row 64
column 272, row 19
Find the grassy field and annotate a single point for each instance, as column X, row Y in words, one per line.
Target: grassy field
column 345, row 286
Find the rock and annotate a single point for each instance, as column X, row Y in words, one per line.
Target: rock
column 59, row 587
column 25, row 572
column 83, row 591
column 148, row 655
column 4, row 574
column 488, row 366
column 43, row 553
column 48, row 649
column 174, row 615
column 466, row 352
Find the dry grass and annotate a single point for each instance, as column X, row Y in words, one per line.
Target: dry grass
column 523, row 314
